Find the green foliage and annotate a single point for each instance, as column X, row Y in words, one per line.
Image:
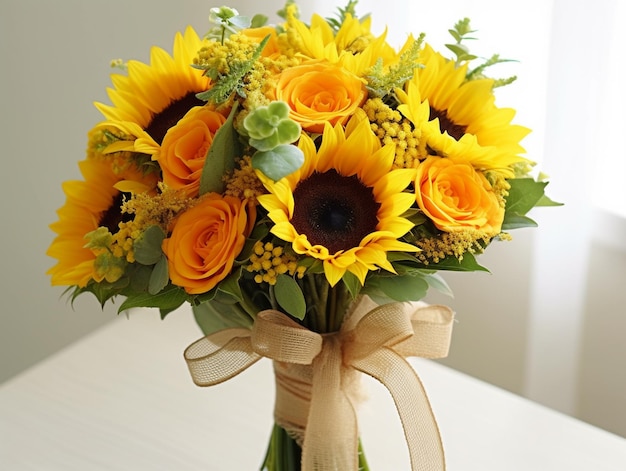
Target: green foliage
column 220, row 159
column 381, row 82
column 226, row 19
column 289, row 296
column 353, row 284
column 279, row 162
column 524, row 194
column 159, row 278
column 282, row 13
column 169, row 299
column 212, row 316
column 147, row 248
column 405, row 288
column 349, row 9
column 466, row 264
column 226, row 85
column 258, row 21
column 460, row 32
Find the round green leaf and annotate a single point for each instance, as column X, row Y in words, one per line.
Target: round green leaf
column 289, row 296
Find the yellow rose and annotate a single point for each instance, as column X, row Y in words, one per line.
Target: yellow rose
column 319, row 92
column 185, row 147
column 456, row 197
column 205, row 241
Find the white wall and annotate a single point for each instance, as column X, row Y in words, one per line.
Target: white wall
column 55, row 62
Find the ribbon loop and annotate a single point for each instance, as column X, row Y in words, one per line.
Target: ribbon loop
column 220, row 356
column 316, row 375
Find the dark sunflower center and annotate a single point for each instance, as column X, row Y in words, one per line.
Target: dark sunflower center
column 446, row 124
column 334, row 211
column 113, row 216
column 167, row 118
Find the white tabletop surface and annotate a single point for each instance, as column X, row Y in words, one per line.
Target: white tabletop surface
column 122, row 399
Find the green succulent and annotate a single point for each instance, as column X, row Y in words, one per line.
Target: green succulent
column 270, row 126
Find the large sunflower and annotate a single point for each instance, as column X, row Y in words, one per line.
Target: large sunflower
column 462, row 115
column 152, row 97
column 344, row 205
column 90, row 203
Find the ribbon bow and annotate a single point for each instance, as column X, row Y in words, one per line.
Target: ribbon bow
column 321, row 408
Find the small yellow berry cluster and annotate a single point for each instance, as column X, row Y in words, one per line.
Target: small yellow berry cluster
column 244, row 183
column 435, row 249
column 392, row 128
column 269, row 261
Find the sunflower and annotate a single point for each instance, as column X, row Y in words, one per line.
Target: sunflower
column 462, row 115
column 344, row 205
column 151, row 98
column 353, row 46
column 90, row 203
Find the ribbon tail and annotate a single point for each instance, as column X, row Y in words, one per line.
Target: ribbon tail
column 220, row 356
column 331, row 435
column 416, row 415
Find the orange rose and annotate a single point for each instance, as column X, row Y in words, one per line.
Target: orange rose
column 320, row 92
column 205, row 241
column 185, row 147
column 455, row 196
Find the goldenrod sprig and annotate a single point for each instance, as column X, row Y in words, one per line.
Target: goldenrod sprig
column 381, row 82
column 233, row 82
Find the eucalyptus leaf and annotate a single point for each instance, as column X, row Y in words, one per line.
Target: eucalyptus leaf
column 289, row 296
column 278, row 162
column 147, row 248
column 159, row 278
column 220, row 158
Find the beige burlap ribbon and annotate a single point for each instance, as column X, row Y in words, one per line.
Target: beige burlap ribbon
column 315, row 375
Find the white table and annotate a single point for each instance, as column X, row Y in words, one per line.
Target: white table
column 122, row 399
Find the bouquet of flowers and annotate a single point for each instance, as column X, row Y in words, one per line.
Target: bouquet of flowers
column 297, row 181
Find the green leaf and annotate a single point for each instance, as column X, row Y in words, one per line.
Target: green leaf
column 516, row 221
column 353, row 284
column 524, row 194
column 546, row 201
column 229, row 290
column 451, row 263
column 221, row 156
column 169, row 298
column 258, row 20
column 278, row 162
column 159, row 278
column 400, row 288
column 437, row 282
column 213, row 316
column 289, row 296
column 147, row 248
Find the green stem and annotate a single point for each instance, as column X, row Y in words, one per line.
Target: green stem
column 284, row 454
